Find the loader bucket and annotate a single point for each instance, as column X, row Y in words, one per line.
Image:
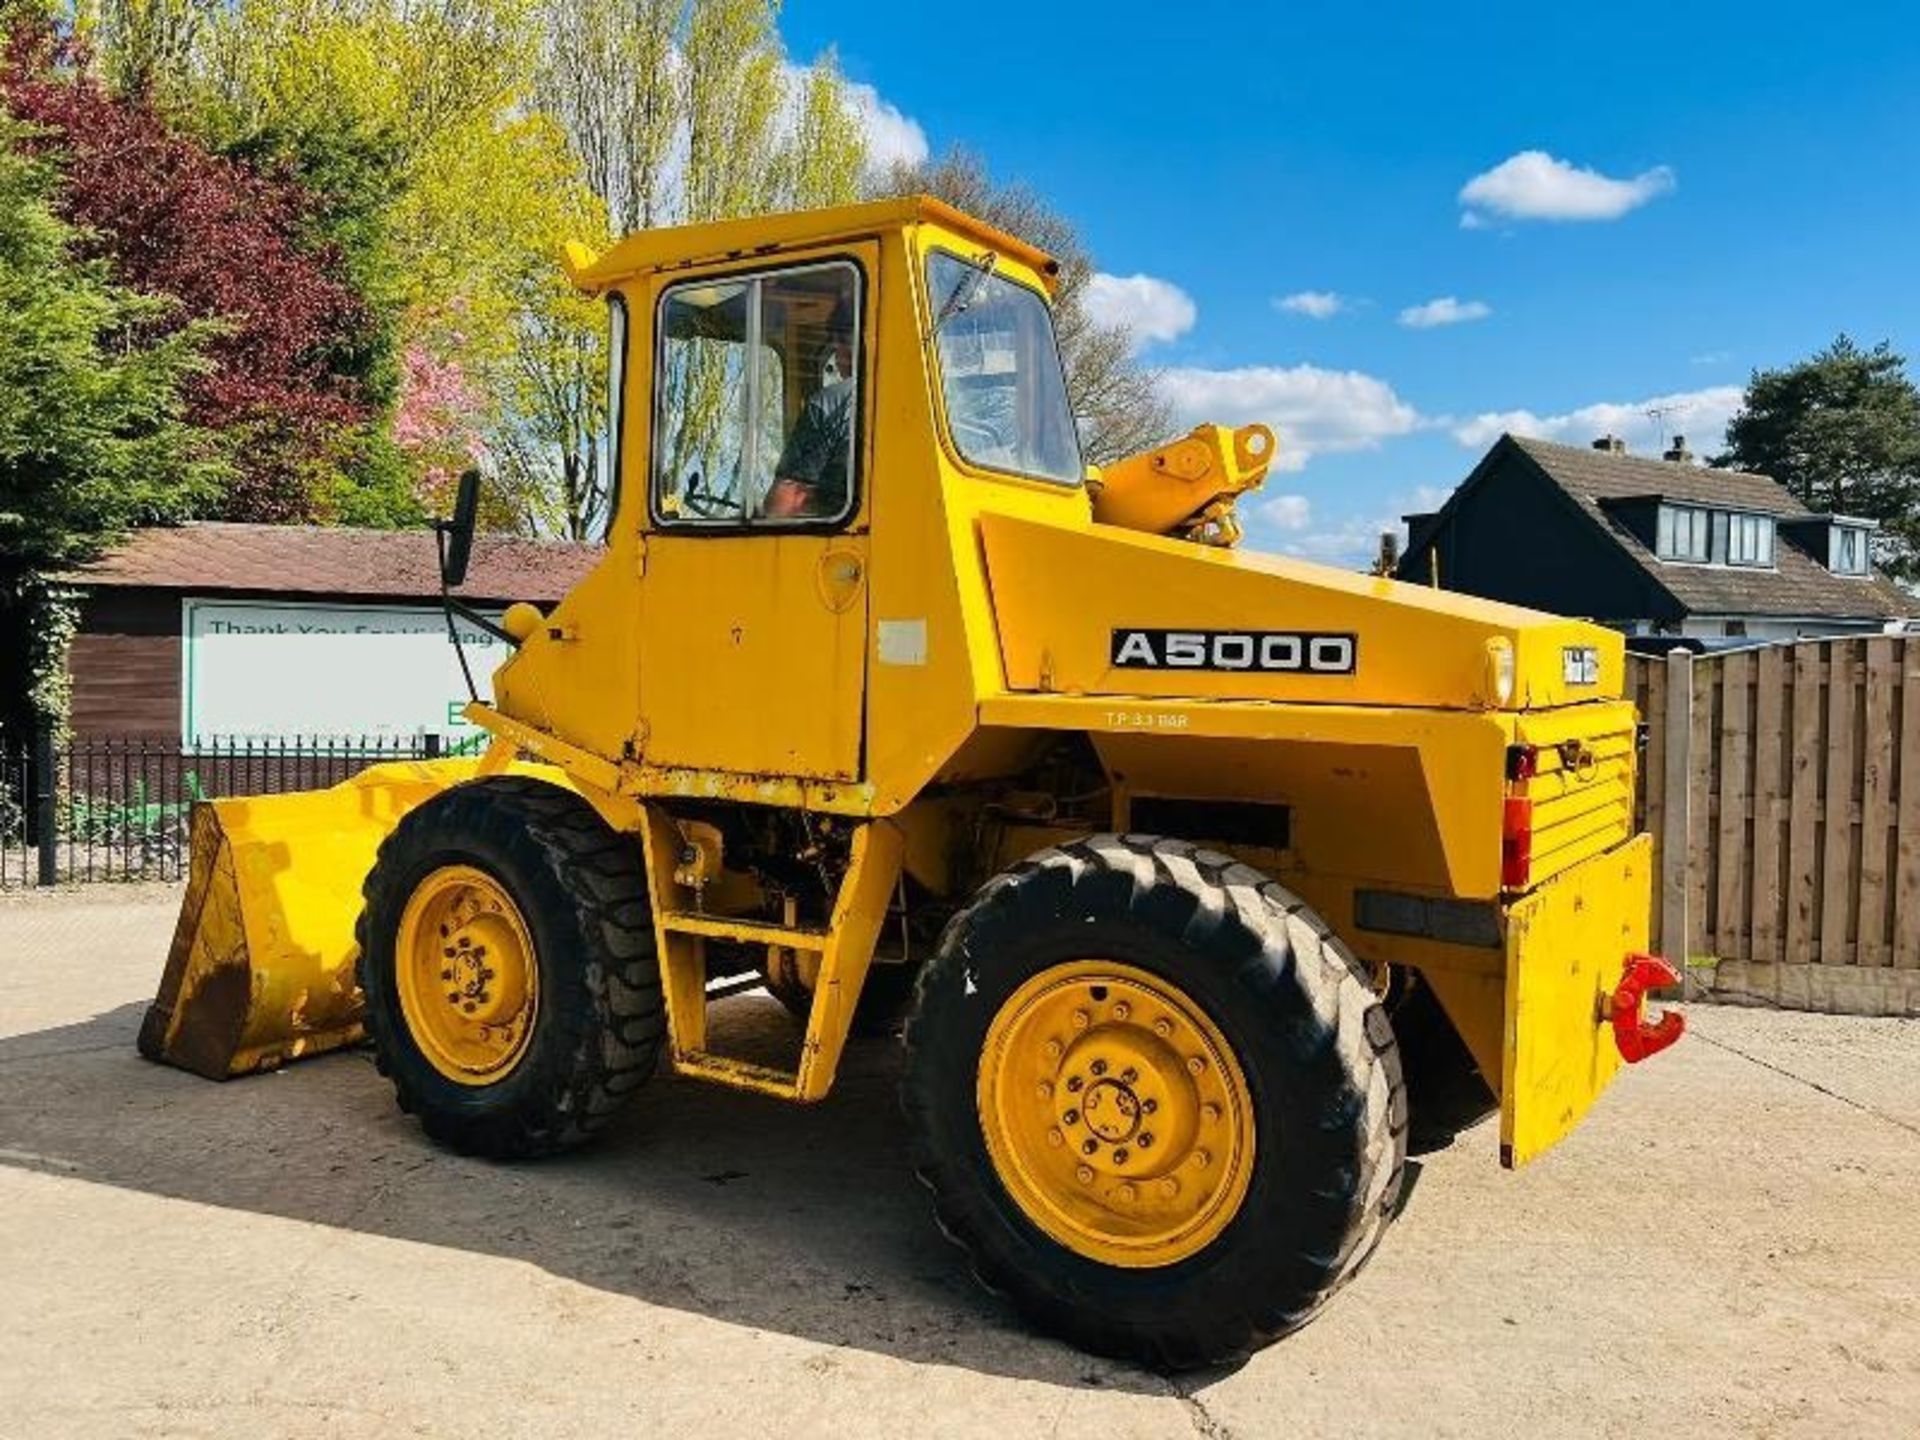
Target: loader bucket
column 262, row 966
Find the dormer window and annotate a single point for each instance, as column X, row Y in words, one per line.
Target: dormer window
column 1750, row 540
column 1847, row 550
column 1684, row 534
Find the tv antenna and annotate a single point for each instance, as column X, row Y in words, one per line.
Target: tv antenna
column 1657, row 417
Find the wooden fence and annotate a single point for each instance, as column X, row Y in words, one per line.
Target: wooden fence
column 1782, row 787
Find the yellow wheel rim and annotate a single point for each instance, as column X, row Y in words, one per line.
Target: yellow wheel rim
column 1116, row 1114
column 469, row 985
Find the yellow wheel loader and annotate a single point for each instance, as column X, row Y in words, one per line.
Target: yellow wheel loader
column 1196, row 875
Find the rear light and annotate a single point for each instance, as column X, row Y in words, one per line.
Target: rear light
column 1516, row 843
column 1523, row 763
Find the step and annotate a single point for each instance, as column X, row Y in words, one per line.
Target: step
column 740, row 1074
column 747, row 932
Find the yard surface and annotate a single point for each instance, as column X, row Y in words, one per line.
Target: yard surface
column 1727, row 1247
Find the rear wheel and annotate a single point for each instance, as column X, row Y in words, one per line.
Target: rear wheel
column 1155, row 1100
column 507, row 958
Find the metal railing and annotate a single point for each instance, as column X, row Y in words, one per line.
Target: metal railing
column 115, row 808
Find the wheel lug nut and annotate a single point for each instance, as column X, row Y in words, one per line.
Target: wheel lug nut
column 1169, row 1187
column 446, row 974
column 1090, row 1147
column 1201, row 1159
column 1145, row 1142
column 1074, row 1082
column 453, row 997
column 1053, row 1049
column 479, row 952
column 1044, row 1089
column 1099, row 1067
column 1054, row 1137
column 1195, row 1065
column 1149, row 1105
column 1081, row 1019
column 1120, row 1156
column 1129, row 1075
column 1084, row 1174
column 469, row 1007
column 486, row 974
column 1125, row 1192
column 1163, row 1028
column 1210, row 1111
column 1122, row 1010
column 1072, row 1117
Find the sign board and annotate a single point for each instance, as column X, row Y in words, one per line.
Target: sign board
column 275, row 670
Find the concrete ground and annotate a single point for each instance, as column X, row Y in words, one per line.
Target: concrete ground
column 1728, row 1247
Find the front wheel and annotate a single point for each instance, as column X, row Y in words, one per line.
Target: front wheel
column 507, row 958
column 1155, row 1100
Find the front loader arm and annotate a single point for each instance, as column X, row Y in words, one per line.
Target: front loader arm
column 1188, row 487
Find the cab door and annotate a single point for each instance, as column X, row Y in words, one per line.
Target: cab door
column 754, row 589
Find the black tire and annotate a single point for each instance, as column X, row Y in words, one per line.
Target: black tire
column 1314, row 1043
column 597, row 1032
column 885, row 998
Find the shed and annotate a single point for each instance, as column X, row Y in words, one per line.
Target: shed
column 298, row 628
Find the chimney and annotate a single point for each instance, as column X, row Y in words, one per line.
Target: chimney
column 1611, row 445
column 1389, row 557
column 1679, row 454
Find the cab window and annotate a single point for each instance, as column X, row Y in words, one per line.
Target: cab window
column 757, row 404
column 1000, row 372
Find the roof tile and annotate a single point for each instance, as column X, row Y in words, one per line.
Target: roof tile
column 1797, row 586
column 218, row 556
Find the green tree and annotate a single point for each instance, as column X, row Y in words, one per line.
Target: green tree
column 1116, row 401
column 1841, row 430
column 675, row 111
column 92, row 438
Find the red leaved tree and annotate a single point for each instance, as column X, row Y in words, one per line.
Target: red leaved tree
column 224, row 241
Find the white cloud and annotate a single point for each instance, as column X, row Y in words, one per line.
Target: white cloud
column 892, row 136
column 1149, row 309
column 1446, row 310
column 1352, row 540
column 1314, row 304
column 1700, row 415
column 1533, row 185
column 1291, row 513
column 1313, row 411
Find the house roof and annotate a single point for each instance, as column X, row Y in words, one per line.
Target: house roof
column 1798, row 585
column 211, row 557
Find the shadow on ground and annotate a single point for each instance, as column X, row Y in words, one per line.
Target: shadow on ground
column 802, row 1220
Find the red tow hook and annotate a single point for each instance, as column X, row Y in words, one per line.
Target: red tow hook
column 1638, row 1038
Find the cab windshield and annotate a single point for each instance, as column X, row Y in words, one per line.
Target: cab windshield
column 1006, row 396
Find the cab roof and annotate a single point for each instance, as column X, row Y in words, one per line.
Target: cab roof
column 675, row 245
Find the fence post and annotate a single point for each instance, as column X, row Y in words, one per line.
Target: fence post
column 1676, row 930
column 43, row 805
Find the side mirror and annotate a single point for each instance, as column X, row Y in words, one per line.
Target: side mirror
column 458, row 550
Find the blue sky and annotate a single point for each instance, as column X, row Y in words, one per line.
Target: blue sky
column 1594, row 209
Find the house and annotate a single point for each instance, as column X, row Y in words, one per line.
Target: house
column 224, row 632
column 1650, row 546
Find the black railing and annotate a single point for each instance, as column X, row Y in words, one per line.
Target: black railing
column 115, row 808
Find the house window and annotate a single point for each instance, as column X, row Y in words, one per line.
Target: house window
column 1750, row 540
column 1847, row 550
column 1685, row 533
